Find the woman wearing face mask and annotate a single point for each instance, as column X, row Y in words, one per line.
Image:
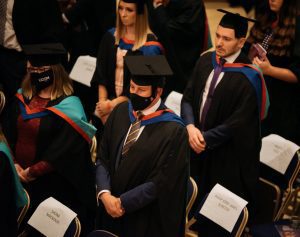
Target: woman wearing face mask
column 277, row 31
column 132, row 36
column 47, row 131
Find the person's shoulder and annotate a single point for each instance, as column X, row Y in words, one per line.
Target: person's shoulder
column 173, row 130
column 243, row 58
column 151, row 37
column 122, row 108
column 152, row 46
column 205, row 59
column 110, row 34
column 206, row 55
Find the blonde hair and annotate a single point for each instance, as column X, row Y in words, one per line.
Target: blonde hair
column 2, row 137
column 142, row 28
column 62, row 84
column 2, row 104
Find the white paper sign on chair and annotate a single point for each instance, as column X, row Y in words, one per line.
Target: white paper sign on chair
column 52, row 218
column 83, row 70
column 277, row 152
column 223, row 207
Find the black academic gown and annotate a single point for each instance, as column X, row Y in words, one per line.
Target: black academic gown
column 180, row 27
column 68, row 152
column 232, row 132
column 160, row 155
column 8, row 217
column 37, row 22
column 106, row 63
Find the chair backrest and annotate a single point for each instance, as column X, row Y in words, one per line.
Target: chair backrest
column 192, row 192
column 101, row 233
column 93, row 149
column 268, row 201
column 239, row 225
column 74, row 229
column 285, row 182
column 24, row 209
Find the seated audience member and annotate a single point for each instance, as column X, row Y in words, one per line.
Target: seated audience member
column 132, row 36
column 142, row 170
column 47, row 131
column 278, row 32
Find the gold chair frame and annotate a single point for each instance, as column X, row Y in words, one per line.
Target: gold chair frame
column 24, row 209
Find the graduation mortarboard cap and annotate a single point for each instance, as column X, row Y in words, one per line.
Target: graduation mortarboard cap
column 44, row 54
column 148, row 70
column 236, row 22
column 139, row 5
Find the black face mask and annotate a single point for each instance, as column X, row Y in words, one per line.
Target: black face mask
column 42, row 80
column 139, row 102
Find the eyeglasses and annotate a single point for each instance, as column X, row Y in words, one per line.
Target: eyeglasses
column 37, row 69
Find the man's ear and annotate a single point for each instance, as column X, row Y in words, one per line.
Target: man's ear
column 159, row 91
column 241, row 42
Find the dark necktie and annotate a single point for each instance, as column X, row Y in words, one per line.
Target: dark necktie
column 133, row 134
column 3, row 8
column 217, row 72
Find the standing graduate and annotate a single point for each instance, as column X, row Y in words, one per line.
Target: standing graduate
column 222, row 107
column 12, row 197
column 142, row 171
column 47, row 131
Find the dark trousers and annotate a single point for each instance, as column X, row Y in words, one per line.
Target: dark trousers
column 12, row 70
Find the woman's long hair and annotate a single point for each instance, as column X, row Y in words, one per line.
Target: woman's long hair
column 283, row 38
column 142, row 28
column 2, row 104
column 62, row 84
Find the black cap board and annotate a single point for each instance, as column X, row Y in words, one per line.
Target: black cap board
column 148, row 70
column 44, row 54
column 139, row 5
column 236, row 22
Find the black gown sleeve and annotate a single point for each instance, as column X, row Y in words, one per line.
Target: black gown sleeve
column 106, row 59
column 184, row 25
column 245, row 111
column 170, row 177
column 8, row 217
column 189, row 96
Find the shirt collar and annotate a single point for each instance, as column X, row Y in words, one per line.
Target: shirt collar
column 153, row 108
column 233, row 57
